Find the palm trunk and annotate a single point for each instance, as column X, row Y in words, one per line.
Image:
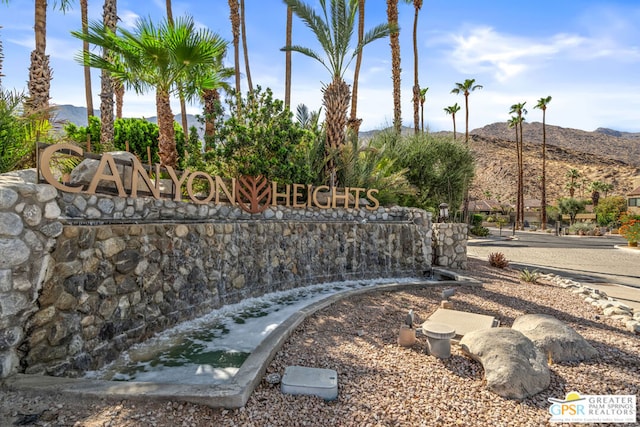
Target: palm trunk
column 235, row 30
column 166, row 134
column 354, row 122
column 211, row 98
column 39, row 70
column 87, row 69
column 392, row 17
column 244, row 46
column 521, row 177
column 336, row 104
column 119, row 93
column 287, row 72
column 416, row 85
column 466, row 115
column 543, row 202
column 454, row 126
column 110, row 19
column 517, row 219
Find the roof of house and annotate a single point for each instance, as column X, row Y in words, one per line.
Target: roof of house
column 635, row 192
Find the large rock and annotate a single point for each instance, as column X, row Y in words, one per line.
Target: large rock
column 556, row 339
column 513, row 367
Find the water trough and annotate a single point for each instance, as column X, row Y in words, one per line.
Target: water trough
column 238, row 371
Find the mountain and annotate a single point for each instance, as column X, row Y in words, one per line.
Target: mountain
column 598, row 156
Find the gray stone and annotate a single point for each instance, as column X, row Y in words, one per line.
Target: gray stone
column 513, row 367
column 106, row 206
column 53, row 229
column 32, row 215
column 9, row 338
column 13, row 252
column 556, row 339
column 10, row 224
column 52, row 210
column 8, row 197
column 111, row 246
column 126, row 261
column 5, row 281
column 45, row 193
column 13, row 303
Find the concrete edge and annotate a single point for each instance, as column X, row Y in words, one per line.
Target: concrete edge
column 234, row 394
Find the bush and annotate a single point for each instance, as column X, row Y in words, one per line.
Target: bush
column 476, row 220
column 583, row 228
column 479, row 231
column 529, row 276
column 497, row 259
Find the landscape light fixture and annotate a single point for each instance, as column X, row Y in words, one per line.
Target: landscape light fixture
column 444, row 212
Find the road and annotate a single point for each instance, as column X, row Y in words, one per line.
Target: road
column 602, row 262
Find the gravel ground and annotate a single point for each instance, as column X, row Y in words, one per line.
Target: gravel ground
column 381, row 383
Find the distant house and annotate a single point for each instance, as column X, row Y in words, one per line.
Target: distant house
column 486, row 207
column 633, row 198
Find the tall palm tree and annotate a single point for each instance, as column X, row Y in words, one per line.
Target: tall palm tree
column 287, row 67
column 161, row 58
column 542, row 104
column 334, row 31
column 513, row 123
column 87, row 70
column 466, row 88
column 244, row 46
column 181, row 95
column 39, row 70
column 520, row 111
column 453, row 109
column 107, row 83
column 392, row 18
column 354, row 122
column 423, row 98
column 417, row 5
column 234, row 9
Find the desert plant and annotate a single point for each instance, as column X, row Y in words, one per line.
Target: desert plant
column 583, row 228
column 529, row 276
column 479, row 231
column 630, row 230
column 497, row 259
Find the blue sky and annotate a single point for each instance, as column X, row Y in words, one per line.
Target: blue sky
column 583, row 53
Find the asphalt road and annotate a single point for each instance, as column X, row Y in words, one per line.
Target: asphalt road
column 602, row 261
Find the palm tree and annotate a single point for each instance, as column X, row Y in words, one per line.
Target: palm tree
column 392, row 18
column 520, row 111
column 287, row 68
column 513, row 123
column 244, row 46
column 417, row 5
column 466, row 88
column 354, row 122
column 453, row 109
column 542, row 104
column 87, row 70
column 107, row 83
column 181, row 95
column 572, row 175
column 162, row 58
column 234, row 8
column 39, row 71
column 334, row 30
column 423, row 98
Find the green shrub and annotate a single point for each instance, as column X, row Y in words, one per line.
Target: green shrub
column 476, row 220
column 479, row 231
column 583, row 228
column 529, row 276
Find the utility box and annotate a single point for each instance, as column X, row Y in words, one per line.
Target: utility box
column 311, row 381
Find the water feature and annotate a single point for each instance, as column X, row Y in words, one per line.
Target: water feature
column 211, row 349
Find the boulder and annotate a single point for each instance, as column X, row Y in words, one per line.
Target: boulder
column 513, row 367
column 556, row 339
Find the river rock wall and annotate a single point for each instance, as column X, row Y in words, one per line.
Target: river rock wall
column 83, row 277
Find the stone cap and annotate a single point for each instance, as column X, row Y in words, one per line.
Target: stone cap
column 438, row 330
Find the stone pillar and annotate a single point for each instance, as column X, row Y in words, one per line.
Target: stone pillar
column 450, row 245
column 29, row 226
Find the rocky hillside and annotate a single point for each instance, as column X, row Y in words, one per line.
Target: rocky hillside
column 602, row 155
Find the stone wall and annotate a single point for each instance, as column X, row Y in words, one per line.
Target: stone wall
column 84, row 277
column 450, row 245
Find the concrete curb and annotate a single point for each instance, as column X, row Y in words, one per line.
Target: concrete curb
column 234, row 394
